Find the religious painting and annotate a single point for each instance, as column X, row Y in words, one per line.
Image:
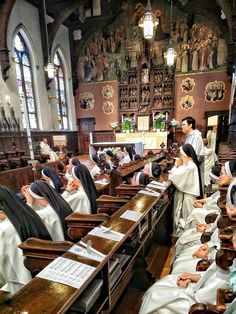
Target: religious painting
column 187, row 85
column 120, row 47
column 107, row 91
column 187, row 102
column 215, row 91
column 86, row 101
column 108, row 107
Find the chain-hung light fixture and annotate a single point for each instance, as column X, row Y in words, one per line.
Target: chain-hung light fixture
column 148, row 22
column 50, row 69
column 170, row 54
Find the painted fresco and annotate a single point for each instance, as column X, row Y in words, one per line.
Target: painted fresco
column 120, row 46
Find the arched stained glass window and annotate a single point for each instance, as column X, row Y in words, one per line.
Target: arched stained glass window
column 25, row 81
column 62, row 110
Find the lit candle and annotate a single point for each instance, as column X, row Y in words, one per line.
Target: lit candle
column 122, row 118
column 166, row 116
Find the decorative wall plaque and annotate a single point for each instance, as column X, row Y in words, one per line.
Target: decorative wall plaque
column 107, row 91
column 86, row 101
column 187, row 102
column 215, row 91
column 187, row 85
column 108, row 107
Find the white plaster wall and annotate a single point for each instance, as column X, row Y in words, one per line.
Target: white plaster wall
column 26, row 15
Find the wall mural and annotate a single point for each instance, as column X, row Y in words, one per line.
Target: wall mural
column 108, row 107
column 187, row 85
column 215, row 91
column 186, row 102
column 86, row 101
column 110, row 52
column 107, row 91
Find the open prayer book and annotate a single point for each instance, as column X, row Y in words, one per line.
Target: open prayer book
column 157, row 185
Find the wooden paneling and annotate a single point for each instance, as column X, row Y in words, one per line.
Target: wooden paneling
column 103, row 136
column 14, row 179
column 20, row 138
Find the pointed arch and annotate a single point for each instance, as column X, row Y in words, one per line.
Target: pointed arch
column 25, row 58
column 61, row 88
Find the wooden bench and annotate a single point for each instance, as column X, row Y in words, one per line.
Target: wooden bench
column 109, row 204
column 79, row 225
column 224, row 296
column 39, row 253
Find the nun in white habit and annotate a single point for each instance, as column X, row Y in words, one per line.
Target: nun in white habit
column 18, row 222
column 81, row 192
column 73, row 162
column 192, row 235
column 174, row 294
column 188, row 259
column 185, row 175
column 140, row 178
column 209, row 205
column 50, row 206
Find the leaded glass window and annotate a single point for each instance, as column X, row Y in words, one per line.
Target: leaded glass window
column 24, row 79
column 62, row 110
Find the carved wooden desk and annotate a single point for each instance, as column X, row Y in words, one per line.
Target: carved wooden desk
column 44, row 296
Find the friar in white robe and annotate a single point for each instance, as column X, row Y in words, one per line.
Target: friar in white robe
column 194, row 138
column 46, row 150
column 185, row 175
column 166, row 297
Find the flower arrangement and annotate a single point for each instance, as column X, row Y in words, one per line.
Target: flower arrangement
column 128, row 125
column 174, row 123
column 159, row 122
column 114, row 125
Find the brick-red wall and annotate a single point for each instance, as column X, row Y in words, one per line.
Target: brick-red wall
column 200, row 104
column 102, row 120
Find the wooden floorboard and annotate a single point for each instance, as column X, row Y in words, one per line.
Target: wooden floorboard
column 131, row 299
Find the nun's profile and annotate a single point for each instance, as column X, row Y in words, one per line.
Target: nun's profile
column 81, row 192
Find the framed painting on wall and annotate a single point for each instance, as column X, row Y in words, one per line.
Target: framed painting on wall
column 143, row 123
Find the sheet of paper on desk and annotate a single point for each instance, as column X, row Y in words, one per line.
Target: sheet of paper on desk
column 66, row 271
column 145, row 192
column 110, row 234
column 150, row 185
column 131, row 215
column 103, row 182
column 91, row 253
column 158, row 185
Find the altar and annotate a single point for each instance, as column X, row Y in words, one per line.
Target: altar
column 150, row 140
